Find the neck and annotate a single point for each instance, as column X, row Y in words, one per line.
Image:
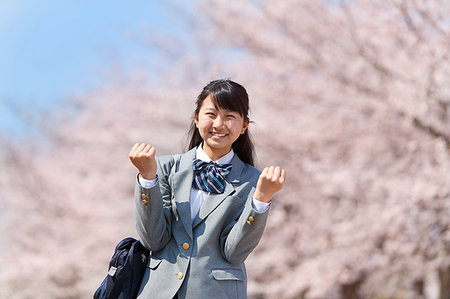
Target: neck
column 215, row 154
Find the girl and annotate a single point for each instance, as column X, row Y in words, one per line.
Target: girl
column 201, row 213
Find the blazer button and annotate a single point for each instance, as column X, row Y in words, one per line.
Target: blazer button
column 144, row 201
column 251, row 219
column 248, row 222
column 143, row 196
column 180, row 275
column 185, row 246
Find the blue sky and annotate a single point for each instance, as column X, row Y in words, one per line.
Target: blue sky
column 51, row 49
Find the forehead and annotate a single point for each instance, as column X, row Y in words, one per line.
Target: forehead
column 209, row 104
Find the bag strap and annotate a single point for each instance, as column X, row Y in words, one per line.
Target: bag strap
column 176, row 158
column 176, row 163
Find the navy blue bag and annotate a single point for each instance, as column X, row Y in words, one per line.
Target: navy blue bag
column 125, row 272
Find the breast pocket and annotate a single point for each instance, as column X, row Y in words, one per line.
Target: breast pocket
column 231, row 283
column 228, row 274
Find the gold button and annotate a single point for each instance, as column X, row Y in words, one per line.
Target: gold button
column 185, row 246
column 144, row 201
column 143, row 196
column 251, row 219
column 248, row 222
column 180, row 275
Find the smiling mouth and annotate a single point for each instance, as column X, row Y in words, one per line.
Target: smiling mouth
column 218, row 135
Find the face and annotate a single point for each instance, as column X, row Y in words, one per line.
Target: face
column 219, row 128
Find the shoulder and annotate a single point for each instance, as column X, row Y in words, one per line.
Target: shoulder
column 166, row 159
column 250, row 173
column 166, row 162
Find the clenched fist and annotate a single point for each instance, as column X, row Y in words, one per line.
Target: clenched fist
column 143, row 157
column 270, row 181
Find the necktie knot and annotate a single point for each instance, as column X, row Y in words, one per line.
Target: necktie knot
column 210, row 176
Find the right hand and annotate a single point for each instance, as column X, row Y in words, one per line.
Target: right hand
column 143, row 158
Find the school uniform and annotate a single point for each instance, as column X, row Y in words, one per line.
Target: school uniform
column 199, row 240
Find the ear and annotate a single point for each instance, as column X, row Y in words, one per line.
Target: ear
column 245, row 126
column 196, row 120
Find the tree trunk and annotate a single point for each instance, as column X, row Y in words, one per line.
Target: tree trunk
column 444, row 281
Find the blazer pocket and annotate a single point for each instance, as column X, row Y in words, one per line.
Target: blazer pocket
column 153, row 264
column 228, row 274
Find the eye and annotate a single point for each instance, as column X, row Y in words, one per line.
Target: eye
column 232, row 114
column 210, row 113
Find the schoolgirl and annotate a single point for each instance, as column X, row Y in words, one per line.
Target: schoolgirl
column 201, row 213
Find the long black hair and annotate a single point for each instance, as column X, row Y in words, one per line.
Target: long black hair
column 229, row 95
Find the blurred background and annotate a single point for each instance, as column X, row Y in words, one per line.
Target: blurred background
column 352, row 97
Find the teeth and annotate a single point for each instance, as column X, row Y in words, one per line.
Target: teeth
column 219, row 135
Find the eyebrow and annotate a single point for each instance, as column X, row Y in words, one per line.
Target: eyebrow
column 212, row 108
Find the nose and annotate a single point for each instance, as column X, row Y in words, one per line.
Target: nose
column 218, row 122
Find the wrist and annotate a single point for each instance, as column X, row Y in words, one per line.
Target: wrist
column 147, row 176
column 260, row 196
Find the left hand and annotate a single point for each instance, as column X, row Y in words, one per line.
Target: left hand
column 270, row 181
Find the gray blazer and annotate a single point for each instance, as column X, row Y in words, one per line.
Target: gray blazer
column 204, row 258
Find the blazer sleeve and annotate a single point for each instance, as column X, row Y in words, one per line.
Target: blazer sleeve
column 241, row 237
column 152, row 208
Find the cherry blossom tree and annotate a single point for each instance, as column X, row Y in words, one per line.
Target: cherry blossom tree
column 351, row 97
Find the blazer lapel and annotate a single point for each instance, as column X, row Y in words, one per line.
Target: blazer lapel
column 181, row 188
column 213, row 200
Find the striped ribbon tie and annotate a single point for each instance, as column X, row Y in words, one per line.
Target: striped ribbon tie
column 210, row 177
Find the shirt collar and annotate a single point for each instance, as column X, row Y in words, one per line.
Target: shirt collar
column 200, row 154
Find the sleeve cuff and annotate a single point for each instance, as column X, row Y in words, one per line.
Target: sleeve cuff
column 259, row 206
column 147, row 183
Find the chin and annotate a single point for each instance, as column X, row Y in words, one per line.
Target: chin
column 217, row 145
